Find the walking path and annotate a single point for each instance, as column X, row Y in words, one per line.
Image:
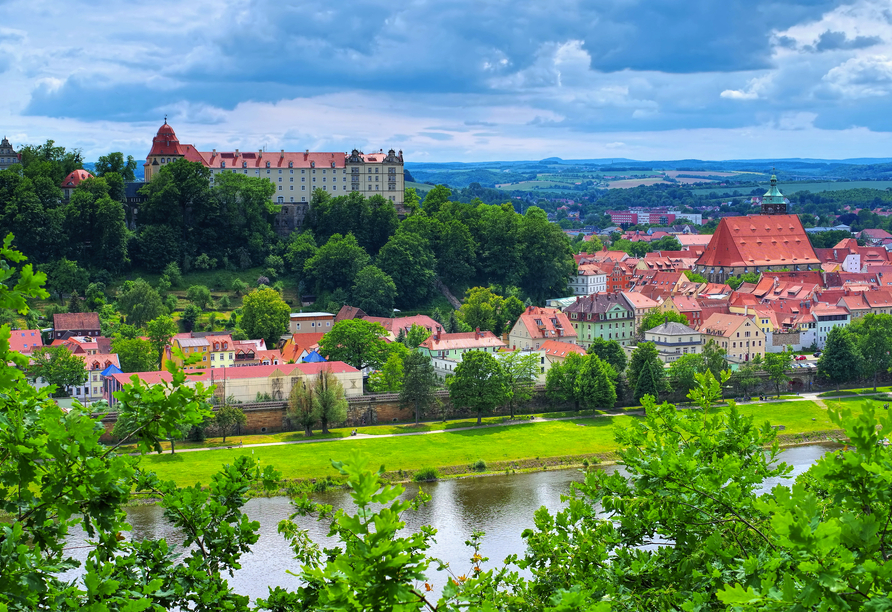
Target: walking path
column 813, row 396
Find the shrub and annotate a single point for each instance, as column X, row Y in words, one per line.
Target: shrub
column 262, row 280
column 426, row 474
column 479, row 465
column 585, row 463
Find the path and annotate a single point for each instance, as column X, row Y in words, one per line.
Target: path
column 813, row 396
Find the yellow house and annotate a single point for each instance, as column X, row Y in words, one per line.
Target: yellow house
column 189, row 346
column 221, row 350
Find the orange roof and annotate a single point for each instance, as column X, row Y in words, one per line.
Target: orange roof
column 256, row 371
column 462, row 340
column 723, row 324
column 765, row 240
column 74, row 178
column 553, row 348
column 25, row 340
column 99, row 361
column 546, row 323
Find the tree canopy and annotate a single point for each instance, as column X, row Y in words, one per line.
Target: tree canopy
column 356, row 342
column 265, row 315
column 478, row 384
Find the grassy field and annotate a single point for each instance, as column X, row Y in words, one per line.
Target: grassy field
column 577, row 436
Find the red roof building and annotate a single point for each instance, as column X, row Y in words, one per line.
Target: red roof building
column 70, row 182
column 536, row 325
column 756, row 244
column 25, row 341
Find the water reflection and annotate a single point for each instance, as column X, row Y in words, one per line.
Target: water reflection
column 501, row 506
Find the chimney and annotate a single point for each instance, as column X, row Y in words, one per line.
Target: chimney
column 282, row 154
column 746, row 310
column 477, row 334
column 437, row 334
column 214, row 153
column 259, row 153
column 236, row 152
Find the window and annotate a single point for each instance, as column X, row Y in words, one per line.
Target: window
column 267, row 165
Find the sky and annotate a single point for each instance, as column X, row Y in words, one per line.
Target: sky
column 454, row 80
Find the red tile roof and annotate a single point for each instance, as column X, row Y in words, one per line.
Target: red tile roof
column 25, row 340
column 547, row 323
column 764, row 240
column 99, row 361
column 74, row 179
column 554, row 348
column 462, row 340
column 723, row 324
column 75, row 321
column 256, row 371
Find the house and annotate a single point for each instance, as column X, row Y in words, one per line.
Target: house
column 556, row 351
column 674, row 340
column 25, row 341
column 640, row 304
column 70, row 182
column 686, row 305
column 396, row 324
column 739, row 335
column 452, row 346
column 190, row 347
column 95, row 364
column 349, row 312
column 66, row 325
column 310, row 322
column 590, row 278
column 246, row 384
column 874, row 236
column 537, row 325
column 222, row 350
column 828, row 316
column 602, row 315
column 298, row 346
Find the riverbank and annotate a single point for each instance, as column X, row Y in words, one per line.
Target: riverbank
column 527, row 445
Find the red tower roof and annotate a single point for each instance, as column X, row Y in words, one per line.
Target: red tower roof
column 74, row 178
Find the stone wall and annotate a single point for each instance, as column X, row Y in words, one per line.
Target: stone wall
column 785, row 339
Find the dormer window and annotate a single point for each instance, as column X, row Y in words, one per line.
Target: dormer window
column 267, row 164
column 332, row 164
column 216, row 346
column 222, row 164
column 244, row 164
column 225, row 344
column 290, row 164
column 312, row 164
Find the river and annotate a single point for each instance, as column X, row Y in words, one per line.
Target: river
column 500, row 506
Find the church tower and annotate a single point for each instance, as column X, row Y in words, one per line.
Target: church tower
column 773, row 200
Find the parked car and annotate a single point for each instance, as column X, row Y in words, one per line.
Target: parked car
column 818, row 354
column 801, row 357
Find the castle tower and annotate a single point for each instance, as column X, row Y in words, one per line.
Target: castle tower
column 773, row 200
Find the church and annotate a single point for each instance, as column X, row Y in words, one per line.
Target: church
column 772, row 240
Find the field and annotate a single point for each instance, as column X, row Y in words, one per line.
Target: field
column 793, row 187
column 540, row 439
column 629, row 183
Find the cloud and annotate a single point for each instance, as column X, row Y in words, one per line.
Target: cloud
column 832, row 41
column 862, row 77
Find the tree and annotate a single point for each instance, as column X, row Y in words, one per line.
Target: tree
column 140, row 303
column 301, row 248
column 191, row 315
column 56, row 365
column 776, row 366
column 478, row 384
column 329, row 399
column 546, row 256
column 337, row 262
column 389, row 379
column 610, row 351
column 746, row 379
column 419, row 384
column 356, row 342
column 64, row 276
column 374, row 292
column 416, row 335
column 736, row 281
column 520, row 371
column 227, row 417
column 239, row 286
column 135, row 354
column 265, row 315
column 648, row 382
column 302, row 411
column 683, row 372
column 656, row 318
column 410, row 262
column 714, row 359
column 646, row 359
column 94, row 299
column 200, row 296
column 561, row 380
column 434, row 199
column 874, row 337
column 159, row 331
column 114, row 162
column 487, row 310
column 595, row 383
column 75, row 303
column 840, row 360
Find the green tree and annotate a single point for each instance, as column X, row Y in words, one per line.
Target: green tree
column 57, row 366
column 736, row 281
column 419, row 384
column 484, row 309
column 595, row 384
column 416, row 335
column 648, row 382
column 374, row 292
column 173, row 274
column 714, row 359
column 337, row 262
column 64, row 276
column 389, row 379
column 159, row 332
column 683, row 372
column 561, row 380
column 301, row 248
column 656, row 318
column 546, row 255
column 840, row 360
column 329, row 399
column 478, row 384
column 191, row 315
column 746, row 379
column 776, row 366
column 227, row 418
column 140, row 303
column 135, row 354
column 200, row 296
column 94, row 299
column 874, row 337
column 411, row 201
column 239, row 286
column 356, row 342
column 435, row 199
column 520, row 372
column 610, row 351
column 410, row 262
column 302, row 411
column 75, row 303
column 646, row 357
column 114, row 162
column 265, row 315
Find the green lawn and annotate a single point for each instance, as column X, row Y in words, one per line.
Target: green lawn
column 539, row 439
column 406, row 453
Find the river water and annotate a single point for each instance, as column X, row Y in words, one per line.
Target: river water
column 501, row 506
